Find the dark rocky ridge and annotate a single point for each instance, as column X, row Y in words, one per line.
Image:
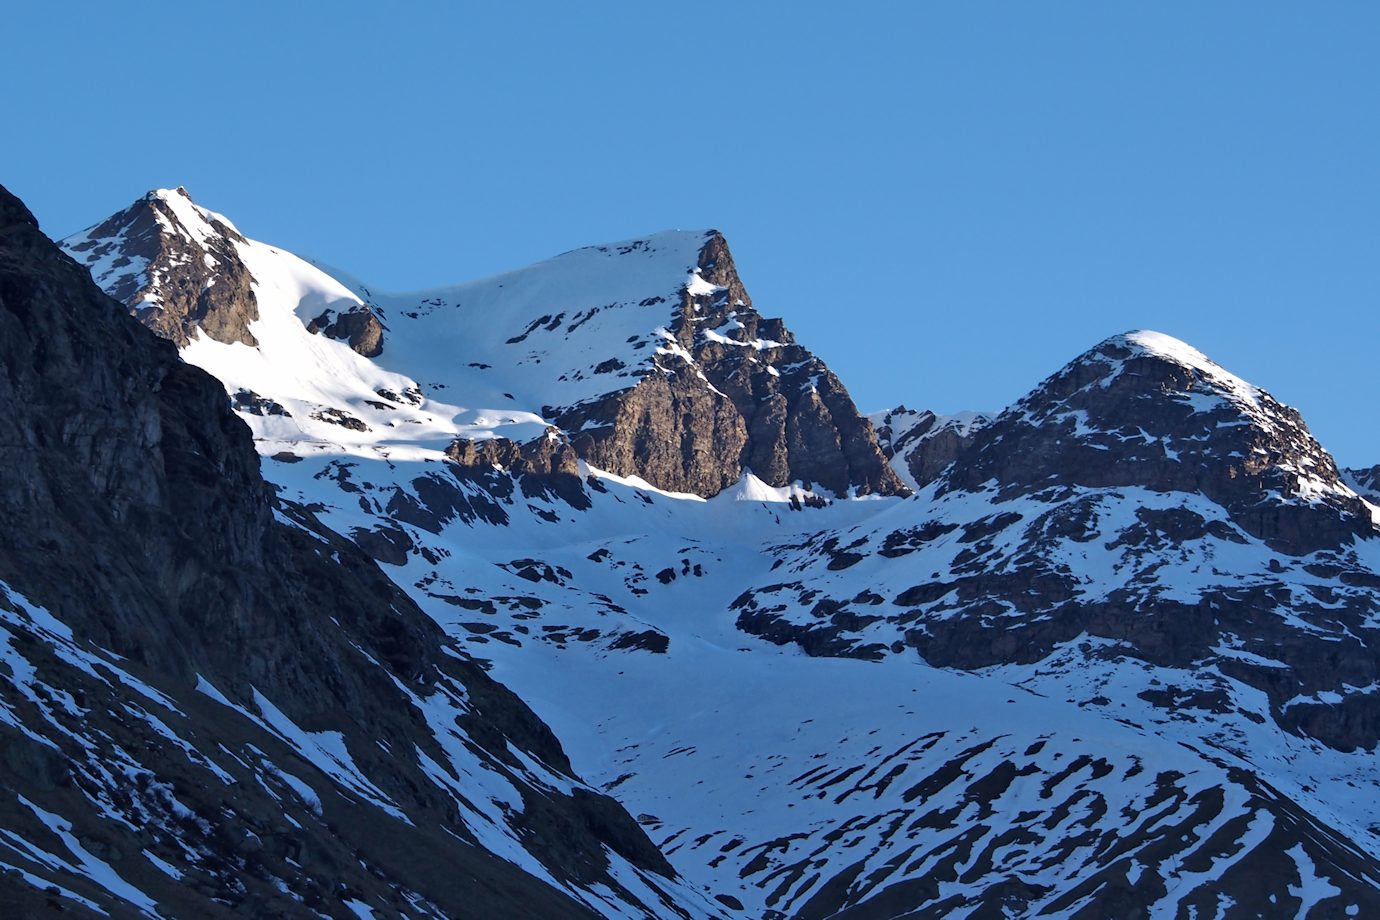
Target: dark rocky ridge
column 148, row 531
column 927, row 443
column 774, row 409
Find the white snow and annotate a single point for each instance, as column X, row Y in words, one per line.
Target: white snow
column 1166, row 346
column 326, row 751
column 89, row 867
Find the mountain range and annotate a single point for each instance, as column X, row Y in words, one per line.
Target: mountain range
column 587, row 590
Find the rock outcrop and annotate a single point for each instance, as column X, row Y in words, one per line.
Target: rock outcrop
column 358, row 327
column 769, row 406
column 920, row 445
column 210, row 702
column 545, row 465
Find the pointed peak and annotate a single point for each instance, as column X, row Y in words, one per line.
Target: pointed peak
column 163, row 194
column 1160, row 345
column 1116, row 351
column 195, row 220
column 1144, row 409
column 160, row 256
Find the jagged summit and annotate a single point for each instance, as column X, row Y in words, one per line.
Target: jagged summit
column 647, row 353
column 175, row 265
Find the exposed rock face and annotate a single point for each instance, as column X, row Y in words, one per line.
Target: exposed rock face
column 360, row 328
column 547, row 464
column 1142, row 498
column 193, row 670
column 920, row 445
column 176, row 267
column 771, row 406
column 669, row 429
column 1366, row 482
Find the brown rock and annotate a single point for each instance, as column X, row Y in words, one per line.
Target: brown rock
column 188, row 283
column 360, row 328
column 766, row 405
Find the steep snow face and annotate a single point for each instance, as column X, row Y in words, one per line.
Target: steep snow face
column 552, row 335
column 306, row 392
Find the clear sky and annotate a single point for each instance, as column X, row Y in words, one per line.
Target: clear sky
column 947, row 201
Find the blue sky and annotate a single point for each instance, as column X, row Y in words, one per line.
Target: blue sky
column 947, row 201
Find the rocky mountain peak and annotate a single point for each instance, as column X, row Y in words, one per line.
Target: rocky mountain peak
column 1145, row 409
column 737, row 395
column 647, row 352
column 181, row 268
column 175, row 264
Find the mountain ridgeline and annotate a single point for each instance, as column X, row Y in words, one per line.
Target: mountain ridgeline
column 1113, row 651
column 722, row 390
column 211, row 702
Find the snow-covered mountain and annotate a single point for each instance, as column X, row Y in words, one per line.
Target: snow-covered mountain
column 1116, row 655
column 647, row 354
column 211, row 705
